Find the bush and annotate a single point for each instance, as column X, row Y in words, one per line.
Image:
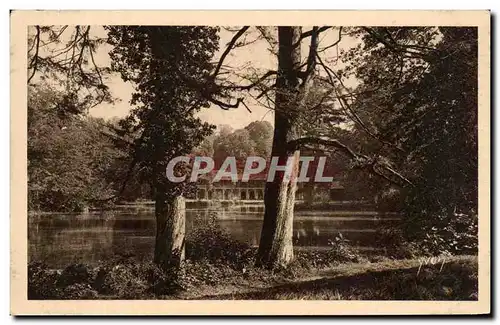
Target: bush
column 42, row 282
column 122, row 278
column 390, row 199
column 415, row 236
column 74, row 282
column 79, row 291
column 192, row 274
column 340, row 251
column 394, row 244
column 211, row 243
column 75, row 274
column 129, row 278
column 453, row 233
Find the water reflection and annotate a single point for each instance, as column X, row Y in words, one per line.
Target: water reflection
column 60, row 239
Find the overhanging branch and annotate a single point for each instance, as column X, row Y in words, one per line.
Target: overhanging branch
column 334, row 43
column 412, row 51
column 311, row 32
column 255, row 83
column 34, row 60
column 296, row 144
column 228, row 49
column 346, row 106
column 363, row 161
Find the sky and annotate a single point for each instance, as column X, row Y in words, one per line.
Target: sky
column 253, row 56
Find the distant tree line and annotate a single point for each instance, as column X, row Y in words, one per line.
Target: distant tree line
column 72, row 164
column 255, row 139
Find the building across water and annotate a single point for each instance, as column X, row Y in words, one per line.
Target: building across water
column 228, row 190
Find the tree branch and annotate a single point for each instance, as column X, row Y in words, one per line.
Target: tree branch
column 255, row 83
column 310, row 66
column 311, row 32
column 228, row 49
column 296, row 144
column 396, row 47
column 228, row 105
column 345, row 105
column 363, row 160
column 311, row 57
column 34, row 60
column 334, row 43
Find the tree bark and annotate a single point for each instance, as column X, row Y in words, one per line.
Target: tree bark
column 170, row 230
column 275, row 247
column 170, row 211
column 281, row 252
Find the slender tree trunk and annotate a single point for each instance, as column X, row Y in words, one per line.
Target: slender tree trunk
column 170, row 230
column 276, row 247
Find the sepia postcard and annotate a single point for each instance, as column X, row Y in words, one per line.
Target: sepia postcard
column 250, row 162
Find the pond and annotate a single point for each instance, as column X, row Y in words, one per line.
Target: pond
column 59, row 239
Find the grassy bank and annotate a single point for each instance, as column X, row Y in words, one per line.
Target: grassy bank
column 455, row 279
column 452, row 278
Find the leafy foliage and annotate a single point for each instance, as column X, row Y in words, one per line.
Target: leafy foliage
column 127, row 278
column 42, row 282
column 261, row 133
column 236, row 144
column 210, row 242
column 445, row 194
column 255, row 139
column 157, row 60
column 70, row 160
column 447, row 234
column 65, row 56
column 418, row 92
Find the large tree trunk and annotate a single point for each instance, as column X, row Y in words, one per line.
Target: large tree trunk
column 276, row 248
column 170, row 211
column 279, row 251
column 170, row 230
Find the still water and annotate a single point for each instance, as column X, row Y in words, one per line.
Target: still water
column 60, row 239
